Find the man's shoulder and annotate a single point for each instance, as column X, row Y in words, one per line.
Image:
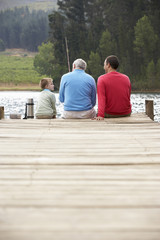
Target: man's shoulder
column 122, row 74
column 113, row 74
column 102, row 77
column 88, row 76
column 67, row 74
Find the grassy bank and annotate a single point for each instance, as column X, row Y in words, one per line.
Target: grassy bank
column 17, row 71
column 44, row 5
column 20, row 87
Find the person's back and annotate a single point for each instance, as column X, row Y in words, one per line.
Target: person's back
column 46, row 102
column 78, row 92
column 114, row 90
column 117, row 90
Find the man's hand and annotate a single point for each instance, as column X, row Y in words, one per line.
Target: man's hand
column 98, row 118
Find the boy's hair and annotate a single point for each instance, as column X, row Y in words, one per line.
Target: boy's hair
column 44, row 82
column 113, row 61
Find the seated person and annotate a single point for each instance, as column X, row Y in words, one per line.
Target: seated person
column 78, row 92
column 45, row 107
column 114, row 91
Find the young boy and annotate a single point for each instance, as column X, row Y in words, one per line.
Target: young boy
column 46, row 102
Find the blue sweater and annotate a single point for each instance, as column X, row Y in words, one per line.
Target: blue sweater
column 77, row 91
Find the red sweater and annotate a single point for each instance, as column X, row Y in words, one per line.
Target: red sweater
column 114, row 90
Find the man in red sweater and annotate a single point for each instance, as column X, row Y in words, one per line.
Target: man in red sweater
column 114, row 90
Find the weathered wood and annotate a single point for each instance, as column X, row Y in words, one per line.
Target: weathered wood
column 149, row 108
column 1, row 112
column 80, row 179
column 80, row 223
column 79, row 234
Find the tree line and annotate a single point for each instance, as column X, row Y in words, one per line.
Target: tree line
column 95, row 29
column 92, row 30
column 20, row 28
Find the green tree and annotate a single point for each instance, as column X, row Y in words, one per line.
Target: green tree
column 158, row 73
column 151, row 74
column 94, row 19
column 75, row 27
column 107, row 45
column 94, row 65
column 80, row 22
column 122, row 38
column 45, row 63
column 145, row 40
column 2, row 45
column 57, row 36
column 97, row 28
column 20, row 28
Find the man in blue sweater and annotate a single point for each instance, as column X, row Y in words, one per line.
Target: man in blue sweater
column 78, row 92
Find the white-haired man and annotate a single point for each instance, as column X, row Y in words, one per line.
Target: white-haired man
column 78, row 92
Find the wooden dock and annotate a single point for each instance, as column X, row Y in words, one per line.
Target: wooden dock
column 80, row 179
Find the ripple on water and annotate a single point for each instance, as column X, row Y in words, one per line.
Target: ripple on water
column 15, row 101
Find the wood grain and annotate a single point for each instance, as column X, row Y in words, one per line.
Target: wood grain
column 80, row 179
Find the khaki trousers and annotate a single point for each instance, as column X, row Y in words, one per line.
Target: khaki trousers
column 45, row 117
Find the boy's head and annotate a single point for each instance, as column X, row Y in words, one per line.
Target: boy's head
column 46, row 83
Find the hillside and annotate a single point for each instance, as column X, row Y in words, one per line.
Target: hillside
column 32, row 4
column 17, row 71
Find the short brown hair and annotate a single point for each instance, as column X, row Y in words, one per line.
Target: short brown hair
column 44, row 82
column 113, row 61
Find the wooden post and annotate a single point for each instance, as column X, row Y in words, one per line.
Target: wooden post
column 67, row 51
column 1, row 112
column 149, row 108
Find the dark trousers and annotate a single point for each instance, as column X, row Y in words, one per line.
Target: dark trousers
column 106, row 115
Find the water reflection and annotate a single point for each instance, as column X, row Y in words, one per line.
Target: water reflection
column 14, row 102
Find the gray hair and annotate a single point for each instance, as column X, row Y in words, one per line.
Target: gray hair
column 80, row 63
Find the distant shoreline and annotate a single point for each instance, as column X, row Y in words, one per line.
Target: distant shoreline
column 35, row 87
column 21, row 87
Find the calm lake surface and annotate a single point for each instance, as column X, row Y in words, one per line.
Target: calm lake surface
column 15, row 101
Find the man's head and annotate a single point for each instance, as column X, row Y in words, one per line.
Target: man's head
column 79, row 64
column 111, row 63
column 47, row 83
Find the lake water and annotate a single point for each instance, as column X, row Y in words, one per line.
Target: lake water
column 15, row 101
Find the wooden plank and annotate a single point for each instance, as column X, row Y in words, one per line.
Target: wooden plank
column 98, row 172
column 66, row 218
column 80, row 179
column 81, row 219
column 76, row 193
column 79, row 235
column 48, row 235
column 82, row 159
